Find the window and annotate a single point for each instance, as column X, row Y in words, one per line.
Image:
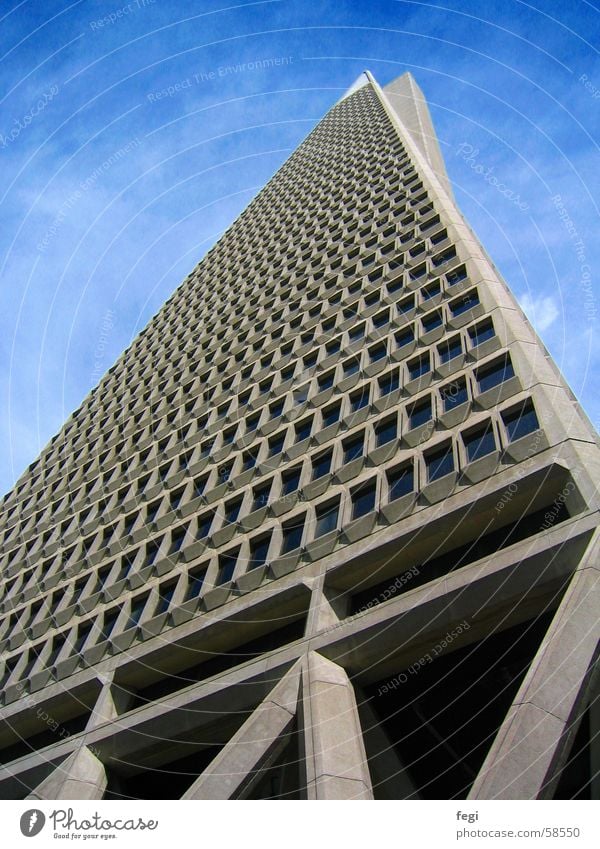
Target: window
column 419, row 366
column 354, row 447
column 494, row 373
column 406, row 305
column 108, row 624
column 292, row 534
column 195, row 582
column 200, row 485
column 83, row 633
column 261, row 495
column 385, row 431
column 405, row 337
column 449, row 350
column 520, row 421
column 400, row 481
column 331, row 415
column 360, row 399
column 389, row 382
column 227, row 562
column 232, row 510
column 303, row 429
column 152, row 550
column 479, row 442
column 259, row 548
column 248, row 460
column 480, row 333
column 321, row 464
column 456, row 275
column 290, row 480
column 204, row 524
column 276, row 409
column 252, row 422
column 419, row 413
column 431, row 321
column 165, row 596
column 431, row 291
column 439, row 462
column 135, row 611
column 276, row 443
column 363, row 498
column 325, row 381
column 356, row 333
column 177, row 539
column 351, row 367
column 326, row 518
column 454, row 394
column 381, row 319
column 467, row 302
column 377, row 353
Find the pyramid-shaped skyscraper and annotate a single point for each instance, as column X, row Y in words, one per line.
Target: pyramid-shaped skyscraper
column 327, row 529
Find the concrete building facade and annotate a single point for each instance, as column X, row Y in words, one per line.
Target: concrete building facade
column 328, row 529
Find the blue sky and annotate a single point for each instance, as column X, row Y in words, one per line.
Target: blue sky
column 131, row 136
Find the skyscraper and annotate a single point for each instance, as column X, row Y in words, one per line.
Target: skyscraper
column 327, row 529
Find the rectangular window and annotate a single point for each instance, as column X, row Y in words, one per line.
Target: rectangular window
column 494, row 373
column 152, row 550
column 321, row 465
column 520, row 421
column 292, row 534
column 165, row 596
column 352, row 366
column 377, row 353
column 389, row 383
column 354, row 447
column 386, row 431
column 177, row 538
column 465, row 303
column 454, row 394
column 405, row 337
column 276, row 443
column 381, row 319
column 432, row 320
column 232, row 510
column 439, row 462
column 135, row 611
column 363, row 498
column 406, row 305
column 261, row 495
column 248, row 460
column 195, row 583
column 259, row 548
column 290, row 480
column 400, row 481
column 419, row 366
column 480, row 442
column 204, row 525
column 326, row 518
column 303, row 429
column 227, row 562
column 449, row 350
column 480, row 333
column 325, row 381
column 360, row 399
column 331, row 415
column 431, row 291
column 456, row 275
column 419, row 413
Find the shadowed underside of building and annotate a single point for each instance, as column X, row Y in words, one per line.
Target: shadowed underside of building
column 327, row 529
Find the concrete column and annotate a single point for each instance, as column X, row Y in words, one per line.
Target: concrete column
column 531, row 745
column 111, row 702
column 255, row 746
column 80, row 776
column 336, row 761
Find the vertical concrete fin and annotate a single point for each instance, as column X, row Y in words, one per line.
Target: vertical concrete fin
column 80, row 776
column 262, row 737
column 336, row 761
column 527, row 754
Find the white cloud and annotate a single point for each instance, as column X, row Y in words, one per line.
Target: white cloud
column 542, row 311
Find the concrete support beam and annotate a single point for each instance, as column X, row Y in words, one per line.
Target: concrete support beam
column 532, row 743
column 336, row 761
column 80, row 776
column 254, row 747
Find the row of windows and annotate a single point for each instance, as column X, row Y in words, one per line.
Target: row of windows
column 330, row 515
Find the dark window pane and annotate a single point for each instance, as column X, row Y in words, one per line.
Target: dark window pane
column 326, row 520
column 388, row 383
column 363, row 499
column 195, row 582
column 449, row 350
column 521, row 421
column 418, row 367
column 258, row 551
column 261, row 495
column 479, row 442
column 360, row 399
column 461, row 305
column 454, row 394
column 481, row 332
column 290, row 480
column 303, row 429
column 321, row 465
column 292, row 535
column 496, row 373
column 331, row 415
column 354, row 448
column 385, row 432
column 420, row 413
column 400, row 482
column 227, row 563
column 440, row 462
